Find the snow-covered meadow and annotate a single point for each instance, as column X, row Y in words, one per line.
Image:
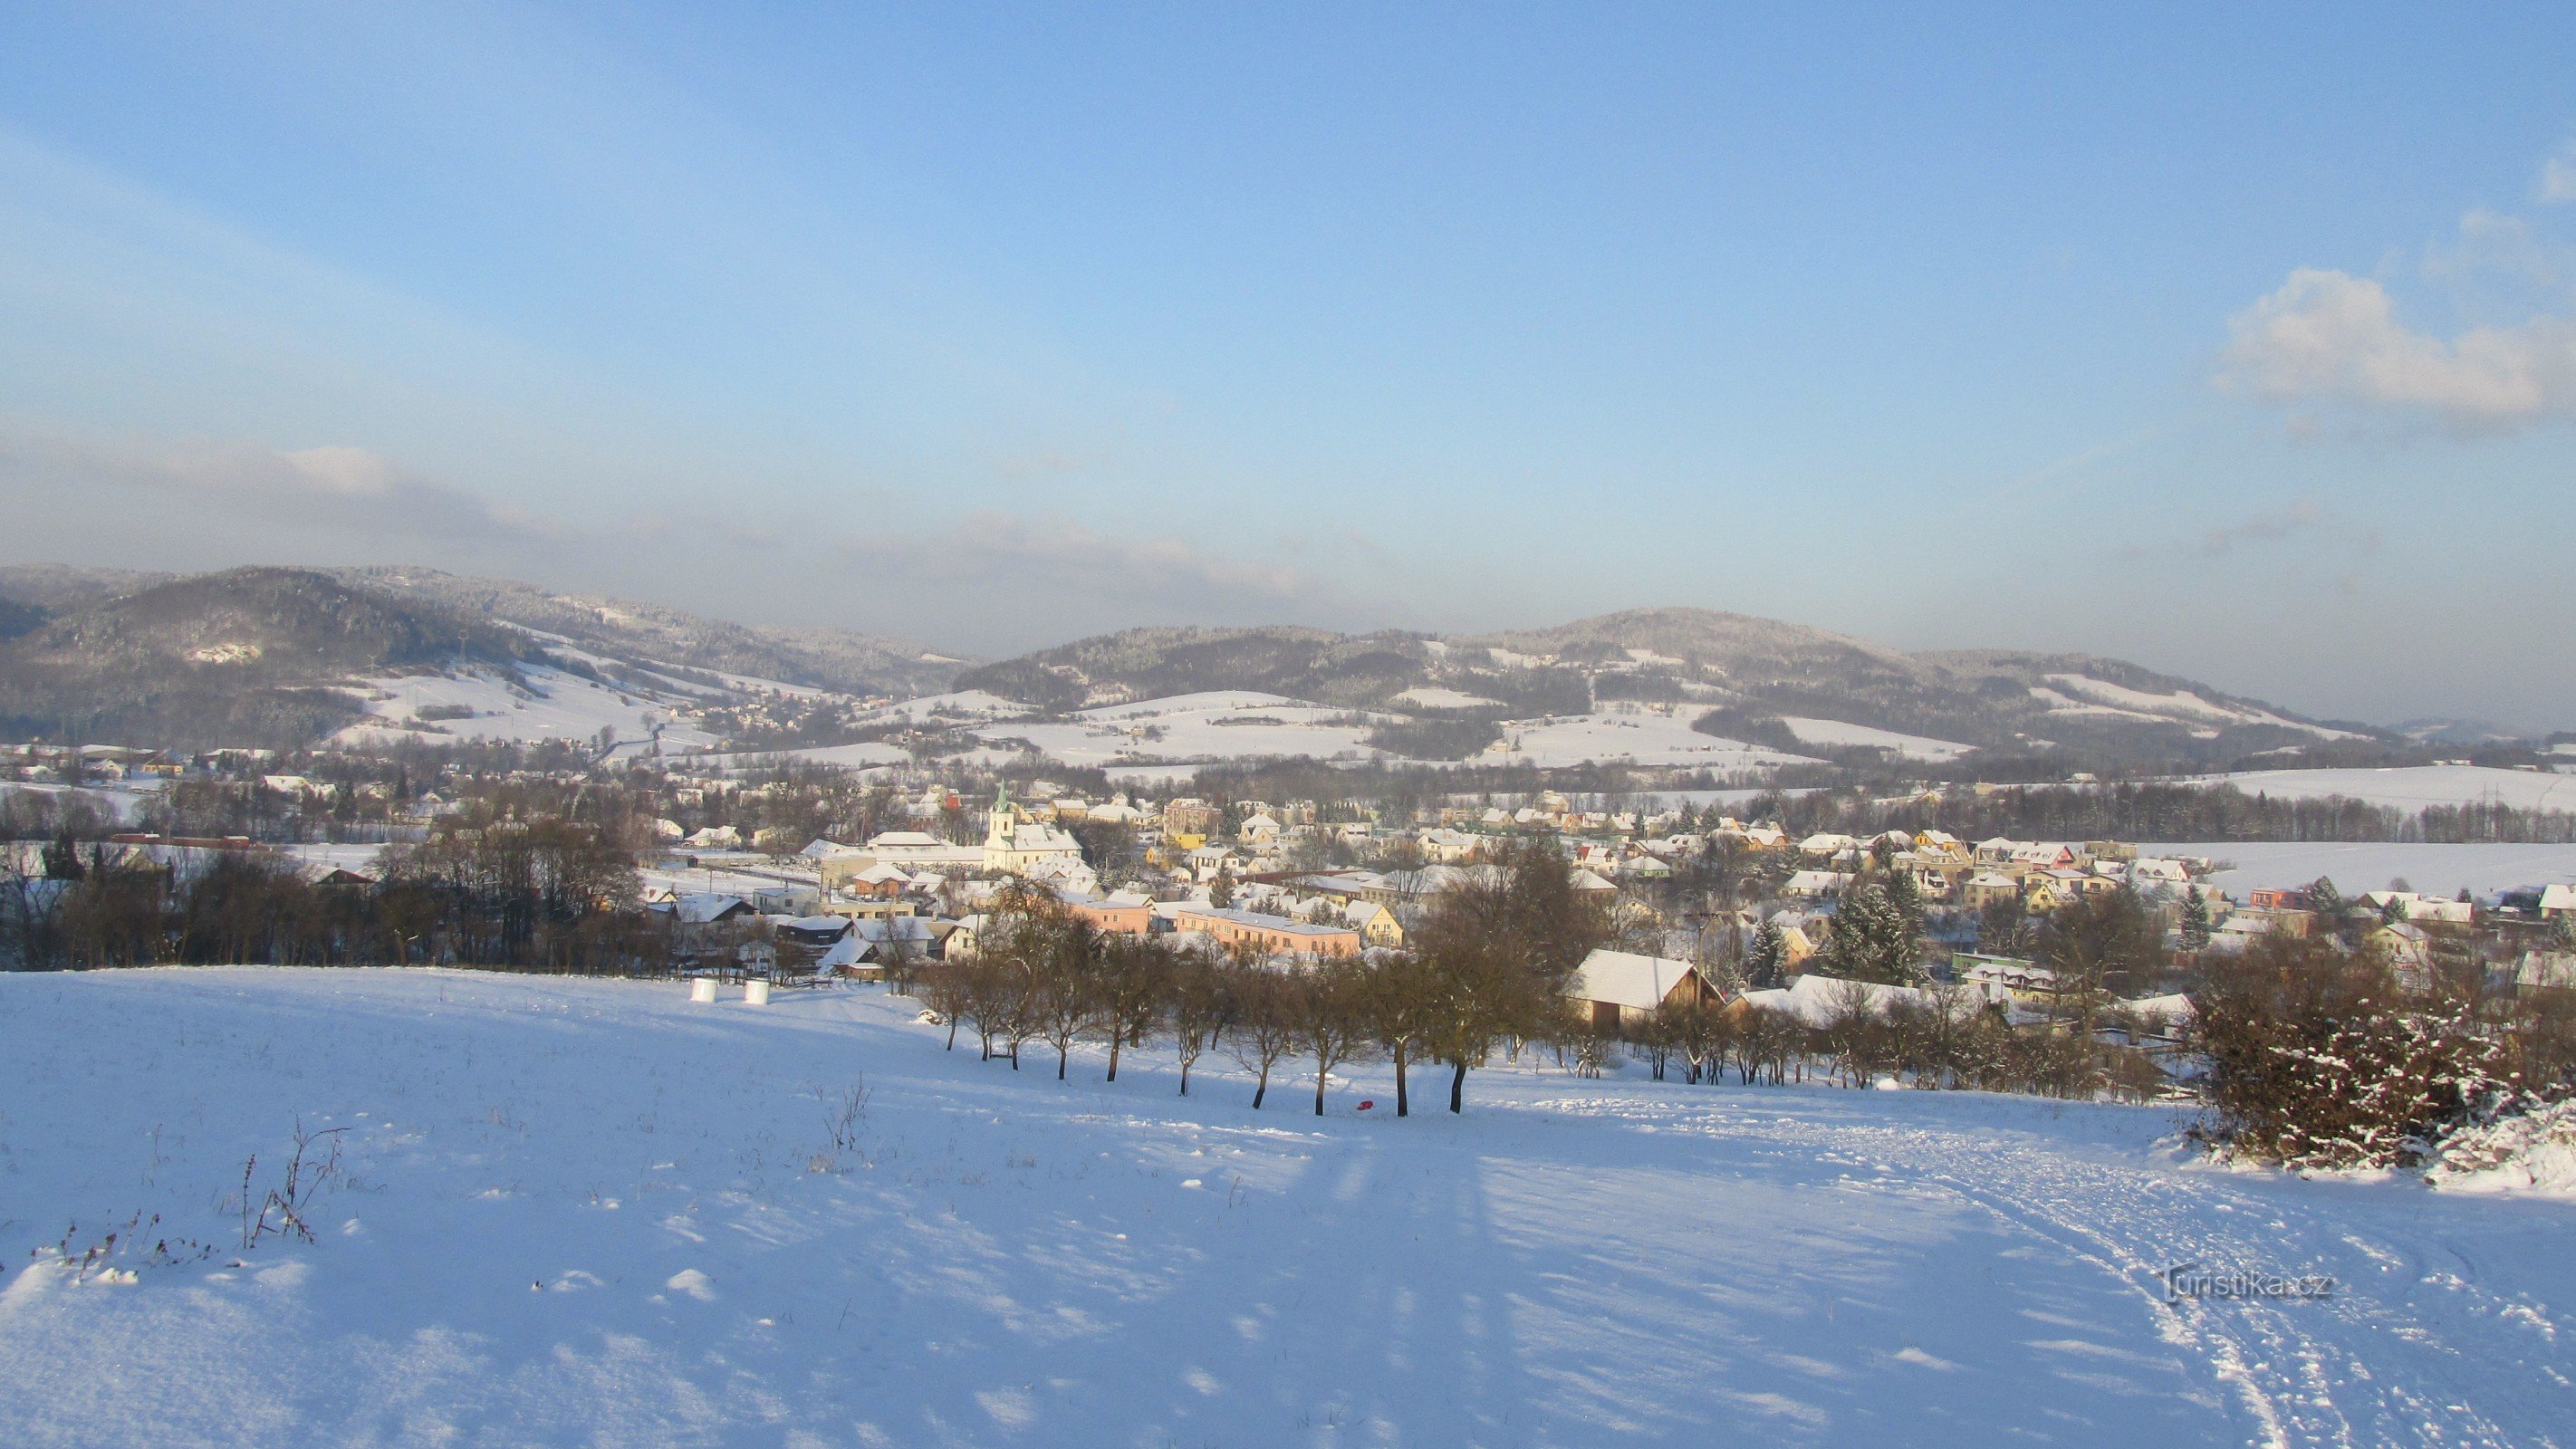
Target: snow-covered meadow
column 586, row 1211
column 2368, row 865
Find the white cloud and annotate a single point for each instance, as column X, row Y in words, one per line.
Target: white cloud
column 2557, row 180
column 2329, row 335
column 345, row 487
column 1064, row 553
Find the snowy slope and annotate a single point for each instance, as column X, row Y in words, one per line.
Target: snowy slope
column 586, row 1212
column 1216, row 725
column 2412, row 787
column 1832, row 732
column 2440, row 870
column 1639, row 734
column 558, row 705
column 2081, row 694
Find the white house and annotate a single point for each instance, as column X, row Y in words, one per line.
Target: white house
column 1622, row 989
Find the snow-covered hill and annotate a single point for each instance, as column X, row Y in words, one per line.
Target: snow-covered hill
column 586, row 1212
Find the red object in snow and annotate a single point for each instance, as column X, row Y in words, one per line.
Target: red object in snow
column 1364, row 1106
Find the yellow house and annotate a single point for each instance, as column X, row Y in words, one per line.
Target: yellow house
column 1376, row 924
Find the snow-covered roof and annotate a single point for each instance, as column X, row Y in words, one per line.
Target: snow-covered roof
column 1627, row 979
column 817, row 925
column 699, row 907
column 1817, row 1000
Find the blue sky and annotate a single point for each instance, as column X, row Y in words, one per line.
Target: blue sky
column 2236, row 344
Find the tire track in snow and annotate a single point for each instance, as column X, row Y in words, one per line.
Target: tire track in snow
column 2381, row 1361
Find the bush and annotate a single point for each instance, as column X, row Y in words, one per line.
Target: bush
column 2317, row 1060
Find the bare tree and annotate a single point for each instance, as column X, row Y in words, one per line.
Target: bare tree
column 1130, row 986
column 1329, row 1013
column 948, row 994
column 1264, row 1026
column 1402, row 1010
column 1201, row 1006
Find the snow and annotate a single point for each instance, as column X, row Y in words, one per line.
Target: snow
column 1432, row 696
column 587, row 1212
column 962, row 704
column 559, row 706
column 2531, row 1153
column 863, row 755
column 1194, row 727
column 1635, row 734
column 1833, row 733
column 2083, row 694
column 2411, row 787
column 2440, row 870
column 1125, row 775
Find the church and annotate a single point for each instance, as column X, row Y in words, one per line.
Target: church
column 1014, row 844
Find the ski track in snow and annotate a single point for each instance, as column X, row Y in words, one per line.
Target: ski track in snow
column 2365, row 1366
column 581, row 1211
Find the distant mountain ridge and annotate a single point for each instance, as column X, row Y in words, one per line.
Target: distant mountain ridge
column 268, row 656
column 244, row 657
column 1757, row 677
column 843, row 660
column 280, row 656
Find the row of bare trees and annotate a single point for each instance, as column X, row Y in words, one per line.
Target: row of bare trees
column 548, row 894
column 1484, row 973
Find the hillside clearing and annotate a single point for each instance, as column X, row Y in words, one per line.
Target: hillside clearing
column 585, row 1211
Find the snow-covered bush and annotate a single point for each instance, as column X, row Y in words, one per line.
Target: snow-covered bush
column 2317, row 1060
column 2528, row 1150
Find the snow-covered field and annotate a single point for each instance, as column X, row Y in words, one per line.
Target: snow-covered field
column 1832, row 733
column 575, row 1211
column 2433, row 869
column 866, row 754
column 1245, row 724
column 1639, row 734
column 2411, row 787
column 2077, row 694
column 560, row 706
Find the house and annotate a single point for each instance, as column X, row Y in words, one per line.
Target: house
column 880, row 881
column 2003, row 976
column 1375, row 923
column 2408, row 951
column 2557, row 901
column 1992, row 888
column 1620, row 991
column 2545, row 971
column 1447, row 847
column 1258, row 832
column 2277, row 898
column 1269, row 935
column 2148, row 869
column 2047, row 891
column 706, row 908
column 1126, row 913
column 2042, row 856
column 1593, row 885
column 1817, row 884
column 714, row 837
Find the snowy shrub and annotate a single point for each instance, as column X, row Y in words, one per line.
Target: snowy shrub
column 2316, row 1060
column 2529, row 1149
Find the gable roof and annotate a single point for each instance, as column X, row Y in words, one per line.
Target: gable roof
column 1627, row 979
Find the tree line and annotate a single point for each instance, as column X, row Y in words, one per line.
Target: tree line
column 1484, row 972
column 546, row 893
column 2160, row 811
